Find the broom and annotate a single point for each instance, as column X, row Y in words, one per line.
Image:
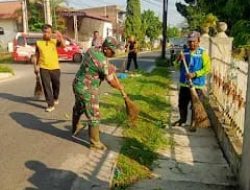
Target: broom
column 38, row 87
column 131, row 109
column 200, row 115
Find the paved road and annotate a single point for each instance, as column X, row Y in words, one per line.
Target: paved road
column 36, row 148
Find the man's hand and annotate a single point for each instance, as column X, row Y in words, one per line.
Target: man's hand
column 190, row 75
column 59, row 39
column 58, row 36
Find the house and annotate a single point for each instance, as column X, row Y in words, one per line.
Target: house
column 113, row 13
column 10, row 21
column 81, row 25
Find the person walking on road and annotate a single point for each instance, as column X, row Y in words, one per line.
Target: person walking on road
column 199, row 65
column 93, row 70
column 48, row 65
column 131, row 48
column 97, row 40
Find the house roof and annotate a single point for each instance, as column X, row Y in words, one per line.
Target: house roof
column 9, row 9
column 84, row 14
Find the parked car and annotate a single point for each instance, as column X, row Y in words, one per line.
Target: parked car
column 24, row 47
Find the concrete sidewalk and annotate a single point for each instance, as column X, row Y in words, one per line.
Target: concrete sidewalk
column 98, row 169
column 193, row 162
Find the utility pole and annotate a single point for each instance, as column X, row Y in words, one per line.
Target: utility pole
column 164, row 28
column 25, row 16
column 245, row 167
column 47, row 12
column 75, row 27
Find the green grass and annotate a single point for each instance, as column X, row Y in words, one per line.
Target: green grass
column 6, row 69
column 138, row 151
column 5, row 58
column 162, row 62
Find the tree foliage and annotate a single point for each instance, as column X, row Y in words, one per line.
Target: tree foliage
column 36, row 15
column 57, row 21
column 241, row 32
column 173, row 32
column 133, row 19
column 151, row 25
column 234, row 12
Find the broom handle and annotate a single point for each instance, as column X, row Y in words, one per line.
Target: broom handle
column 122, row 89
column 186, row 67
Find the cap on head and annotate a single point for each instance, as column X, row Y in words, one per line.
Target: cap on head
column 194, row 35
column 110, row 43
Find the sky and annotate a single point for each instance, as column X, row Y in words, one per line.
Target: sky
column 174, row 18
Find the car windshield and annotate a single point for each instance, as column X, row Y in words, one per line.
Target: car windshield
column 29, row 40
column 20, row 41
column 32, row 40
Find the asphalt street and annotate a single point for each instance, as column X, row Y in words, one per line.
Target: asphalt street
column 37, row 151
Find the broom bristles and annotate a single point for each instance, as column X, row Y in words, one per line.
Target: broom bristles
column 38, row 87
column 132, row 109
column 200, row 115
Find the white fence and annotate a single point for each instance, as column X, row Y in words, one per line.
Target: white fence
column 228, row 82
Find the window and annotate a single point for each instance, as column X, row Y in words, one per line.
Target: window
column 32, row 41
column 20, row 41
column 1, row 31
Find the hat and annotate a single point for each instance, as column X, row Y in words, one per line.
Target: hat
column 111, row 43
column 192, row 36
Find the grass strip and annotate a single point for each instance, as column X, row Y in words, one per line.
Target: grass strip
column 5, row 58
column 6, row 69
column 138, row 151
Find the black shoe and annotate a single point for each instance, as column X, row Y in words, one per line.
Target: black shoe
column 178, row 123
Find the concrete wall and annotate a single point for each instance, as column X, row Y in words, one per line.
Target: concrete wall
column 86, row 28
column 112, row 13
column 10, row 30
column 226, row 107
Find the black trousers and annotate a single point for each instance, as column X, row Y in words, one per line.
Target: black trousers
column 184, row 99
column 132, row 55
column 51, row 84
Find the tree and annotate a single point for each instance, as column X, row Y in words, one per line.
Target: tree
column 36, row 16
column 233, row 12
column 151, row 25
column 173, row 32
column 57, row 21
column 133, row 19
column 241, row 32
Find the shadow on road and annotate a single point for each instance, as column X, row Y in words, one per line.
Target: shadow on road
column 21, row 99
column 33, row 122
column 45, row 178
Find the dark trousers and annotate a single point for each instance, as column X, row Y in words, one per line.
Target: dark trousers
column 51, row 84
column 184, row 99
column 132, row 55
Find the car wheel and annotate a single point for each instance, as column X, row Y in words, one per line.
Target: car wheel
column 77, row 58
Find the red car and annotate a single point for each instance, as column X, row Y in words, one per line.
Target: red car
column 24, row 47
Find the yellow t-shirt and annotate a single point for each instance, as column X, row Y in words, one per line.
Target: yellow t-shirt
column 48, row 57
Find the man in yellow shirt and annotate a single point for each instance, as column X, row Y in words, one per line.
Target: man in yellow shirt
column 48, row 65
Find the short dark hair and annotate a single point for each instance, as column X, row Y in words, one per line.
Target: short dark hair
column 46, row 26
column 96, row 31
